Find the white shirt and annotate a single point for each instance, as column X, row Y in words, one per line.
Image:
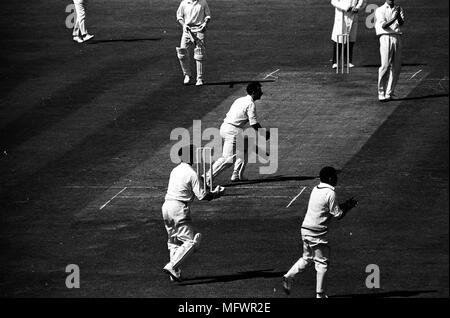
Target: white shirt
column 184, row 184
column 322, row 207
column 384, row 14
column 193, row 13
column 242, row 111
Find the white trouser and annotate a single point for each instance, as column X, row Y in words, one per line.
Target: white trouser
column 230, row 133
column 315, row 249
column 186, row 43
column 178, row 223
column 391, row 63
column 80, row 26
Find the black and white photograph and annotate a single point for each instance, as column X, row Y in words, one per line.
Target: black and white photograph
column 232, row 156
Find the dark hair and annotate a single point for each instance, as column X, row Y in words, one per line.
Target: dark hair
column 186, row 154
column 253, row 87
column 326, row 173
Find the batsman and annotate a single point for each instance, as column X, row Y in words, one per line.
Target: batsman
column 193, row 16
column 184, row 185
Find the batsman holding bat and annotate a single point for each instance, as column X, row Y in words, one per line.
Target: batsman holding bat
column 322, row 207
column 184, row 184
column 193, row 16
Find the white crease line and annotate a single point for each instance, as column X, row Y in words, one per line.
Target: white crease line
column 415, row 74
column 295, row 198
column 271, row 73
column 112, row 198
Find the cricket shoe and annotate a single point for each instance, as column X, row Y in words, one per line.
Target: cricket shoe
column 78, row 39
column 173, row 273
column 199, row 82
column 186, row 80
column 197, row 239
column 334, row 65
column 87, row 37
column 351, row 65
column 236, row 178
column 287, row 284
column 178, row 271
column 321, row 295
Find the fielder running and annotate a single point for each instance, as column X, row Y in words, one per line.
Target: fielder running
column 322, row 207
column 184, row 184
column 80, row 33
column 241, row 112
column 193, row 16
column 388, row 19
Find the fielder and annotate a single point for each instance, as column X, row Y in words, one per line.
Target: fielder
column 388, row 19
column 80, row 33
column 322, row 207
column 241, row 112
column 184, row 184
column 345, row 22
column 193, row 16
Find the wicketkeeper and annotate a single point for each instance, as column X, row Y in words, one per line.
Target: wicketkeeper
column 322, row 207
column 184, row 184
column 193, row 16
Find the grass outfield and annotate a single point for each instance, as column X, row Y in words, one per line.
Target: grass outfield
column 79, row 123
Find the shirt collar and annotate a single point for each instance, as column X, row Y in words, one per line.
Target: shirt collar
column 325, row 185
column 250, row 97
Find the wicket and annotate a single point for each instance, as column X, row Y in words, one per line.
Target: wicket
column 345, row 42
column 203, row 159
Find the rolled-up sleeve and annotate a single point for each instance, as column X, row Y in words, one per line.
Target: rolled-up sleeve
column 197, row 188
column 207, row 11
column 180, row 12
column 251, row 113
column 334, row 207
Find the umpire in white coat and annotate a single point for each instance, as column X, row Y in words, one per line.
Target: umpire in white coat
column 345, row 22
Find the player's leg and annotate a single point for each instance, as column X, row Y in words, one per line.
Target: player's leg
column 183, row 56
column 200, row 57
column 241, row 150
column 299, row 266
column 383, row 71
column 172, row 242
column 228, row 133
column 396, row 65
column 321, row 260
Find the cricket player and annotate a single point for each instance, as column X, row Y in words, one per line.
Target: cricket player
column 184, row 184
column 193, row 16
column 345, row 22
column 241, row 112
column 388, row 20
column 80, row 33
column 322, row 207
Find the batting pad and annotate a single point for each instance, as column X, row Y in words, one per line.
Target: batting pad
column 199, row 54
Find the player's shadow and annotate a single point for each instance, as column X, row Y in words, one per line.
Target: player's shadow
column 421, row 97
column 264, row 273
column 232, row 83
column 397, row 293
column 403, row 64
column 123, row 40
column 270, row 179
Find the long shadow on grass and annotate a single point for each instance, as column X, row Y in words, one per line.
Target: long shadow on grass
column 403, row 64
column 264, row 273
column 270, row 179
column 397, row 293
column 123, row 40
column 232, row 83
column 421, row 97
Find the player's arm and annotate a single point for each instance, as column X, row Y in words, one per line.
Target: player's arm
column 401, row 16
column 359, row 5
column 203, row 195
column 180, row 17
column 340, row 5
column 388, row 23
column 347, row 206
column 253, row 122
